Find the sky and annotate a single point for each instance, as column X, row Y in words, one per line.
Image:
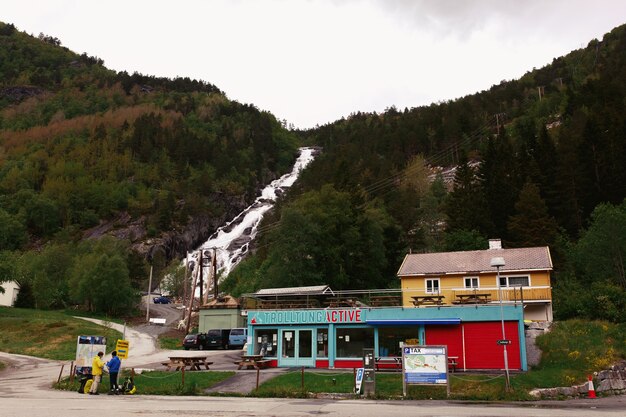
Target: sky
column 311, row 62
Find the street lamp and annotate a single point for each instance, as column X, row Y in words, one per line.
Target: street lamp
column 498, row 262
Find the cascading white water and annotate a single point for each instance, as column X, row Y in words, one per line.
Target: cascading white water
column 232, row 240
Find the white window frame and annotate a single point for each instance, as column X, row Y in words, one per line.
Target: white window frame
column 432, row 281
column 471, row 287
column 507, row 277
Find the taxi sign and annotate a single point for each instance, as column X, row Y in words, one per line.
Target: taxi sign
column 122, row 347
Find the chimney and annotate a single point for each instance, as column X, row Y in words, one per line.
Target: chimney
column 495, row 244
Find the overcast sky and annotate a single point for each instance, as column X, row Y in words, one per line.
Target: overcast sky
column 313, row 61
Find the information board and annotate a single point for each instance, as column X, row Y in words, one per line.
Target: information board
column 424, row 365
column 86, row 348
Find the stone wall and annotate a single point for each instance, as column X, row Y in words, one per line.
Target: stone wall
column 607, row 382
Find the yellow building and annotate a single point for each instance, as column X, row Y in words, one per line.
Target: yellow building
column 467, row 277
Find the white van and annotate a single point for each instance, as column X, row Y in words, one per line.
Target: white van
column 238, row 337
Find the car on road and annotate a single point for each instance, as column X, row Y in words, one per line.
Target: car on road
column 161, row 300
column 195, row 341
column 238, row 337
column 218, row 338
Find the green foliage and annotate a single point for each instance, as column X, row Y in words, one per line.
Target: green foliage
column 323, row 237
column 531, row 225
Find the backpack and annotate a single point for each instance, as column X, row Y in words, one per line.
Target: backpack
column 128, row 387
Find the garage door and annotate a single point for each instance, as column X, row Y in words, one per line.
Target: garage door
column 482, row 350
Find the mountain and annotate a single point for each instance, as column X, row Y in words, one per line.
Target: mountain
column 534, row 160
column 86, row 152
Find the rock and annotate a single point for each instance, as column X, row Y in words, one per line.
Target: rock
column 611, row 384
column 567, row 391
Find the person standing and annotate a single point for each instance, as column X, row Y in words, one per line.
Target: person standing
column 97, row 366
column 114, row 369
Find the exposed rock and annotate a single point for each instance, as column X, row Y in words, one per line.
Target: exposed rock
column 16, row 94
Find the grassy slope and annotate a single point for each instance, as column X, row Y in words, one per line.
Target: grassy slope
column 47, row 334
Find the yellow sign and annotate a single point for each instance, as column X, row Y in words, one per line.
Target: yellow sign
column 122, row 348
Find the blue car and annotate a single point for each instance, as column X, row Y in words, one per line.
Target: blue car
column 161, row 300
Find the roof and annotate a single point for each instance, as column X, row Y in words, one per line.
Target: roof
column 312, row 290
column 476, row 261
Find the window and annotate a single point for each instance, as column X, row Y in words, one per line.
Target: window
column 390, row 338
column 351, row 342
column 519, row 281
column 471, row 282
column 266, row 342
column 432, row 286
column 322, row 343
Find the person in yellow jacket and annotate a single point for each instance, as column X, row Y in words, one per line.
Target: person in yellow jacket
column 97, row 366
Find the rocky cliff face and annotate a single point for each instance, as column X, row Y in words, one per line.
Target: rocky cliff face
column 173, row 244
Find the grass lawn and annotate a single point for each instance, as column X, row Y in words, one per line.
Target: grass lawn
column 47, row 334
column 161, row 383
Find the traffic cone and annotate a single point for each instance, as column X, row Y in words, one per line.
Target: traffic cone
column 592, row 391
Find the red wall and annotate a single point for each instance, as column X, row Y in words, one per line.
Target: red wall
column 481, row 349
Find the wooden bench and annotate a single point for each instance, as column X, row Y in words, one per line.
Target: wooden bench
column 388, row 363
column 156, row 321
column 452, row 363
column 385, row 300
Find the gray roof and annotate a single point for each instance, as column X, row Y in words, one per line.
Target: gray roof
column 476, row 261
column 312, row 290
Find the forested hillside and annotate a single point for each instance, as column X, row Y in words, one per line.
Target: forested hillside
column 155, row 163
column 538, row 161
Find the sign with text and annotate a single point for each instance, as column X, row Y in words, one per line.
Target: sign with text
column 86, row 348
column 122, row 347
column 424, row 365
column 339, row 316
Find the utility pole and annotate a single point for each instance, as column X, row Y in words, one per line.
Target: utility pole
column 540, row 89
column 149, row 292
column 185, row 278
column 215, row 291
column 201, row 265
column 191, row 297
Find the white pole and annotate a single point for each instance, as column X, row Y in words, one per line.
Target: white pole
column 148, row 299
column 507, row 383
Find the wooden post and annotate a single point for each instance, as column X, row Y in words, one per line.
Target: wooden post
column 257, row 377
column 183, row 375
column 302, row 378
column 191, row 297
column 60, row 373
column 72, row 372
column 354, row 379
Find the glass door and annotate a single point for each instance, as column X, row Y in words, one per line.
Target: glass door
column 297, row 348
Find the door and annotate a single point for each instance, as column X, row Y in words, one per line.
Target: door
column 296, row 348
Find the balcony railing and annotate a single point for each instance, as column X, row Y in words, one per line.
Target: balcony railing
column 397, row 298
column 481, row 295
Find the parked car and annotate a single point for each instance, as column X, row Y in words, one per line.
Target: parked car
column 161, row 300
column 195, row 341
column 237, row 337
column 218, row 338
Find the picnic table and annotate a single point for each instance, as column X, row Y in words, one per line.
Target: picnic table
column 385, row 300
column 191, row 363
column 252, row 361
column 388, row 362
column 453, row 362
column 473, row 298
column 434, row 299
